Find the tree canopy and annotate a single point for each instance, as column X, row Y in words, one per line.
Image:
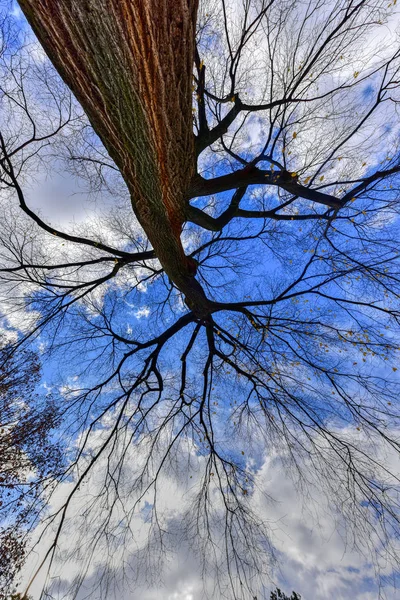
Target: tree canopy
column 233, row 297
column 26, row 422
column 279, row 595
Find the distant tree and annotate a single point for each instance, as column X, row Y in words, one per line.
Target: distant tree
column 239, row 300
column 279, row 595
column 28, row 457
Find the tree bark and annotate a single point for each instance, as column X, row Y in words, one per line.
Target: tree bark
column 130, row 65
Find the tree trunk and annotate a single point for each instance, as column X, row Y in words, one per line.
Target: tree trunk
column 129, row 63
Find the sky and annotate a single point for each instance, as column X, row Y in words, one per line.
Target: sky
column 313, row 556
column 314, row 549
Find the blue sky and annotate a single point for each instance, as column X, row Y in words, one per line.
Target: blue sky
column 310, row 545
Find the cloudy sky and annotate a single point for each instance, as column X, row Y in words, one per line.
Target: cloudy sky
column 313, row 556
column 314, row 551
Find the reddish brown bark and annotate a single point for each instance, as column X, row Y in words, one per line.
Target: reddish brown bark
column 129, row 63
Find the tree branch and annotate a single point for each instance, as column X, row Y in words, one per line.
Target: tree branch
column 251, row 175
column 6, row 164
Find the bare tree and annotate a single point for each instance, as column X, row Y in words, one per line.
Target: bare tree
column 252, row 150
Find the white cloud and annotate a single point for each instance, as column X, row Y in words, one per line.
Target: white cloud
column 142, row 312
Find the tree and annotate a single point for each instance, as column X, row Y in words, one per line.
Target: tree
column 266, row 262
column 27, row 456
column 279, row 595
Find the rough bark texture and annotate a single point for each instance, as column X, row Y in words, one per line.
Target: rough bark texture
column 129, row 63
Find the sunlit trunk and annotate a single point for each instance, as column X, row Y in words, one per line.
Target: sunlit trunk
column 129, row 63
